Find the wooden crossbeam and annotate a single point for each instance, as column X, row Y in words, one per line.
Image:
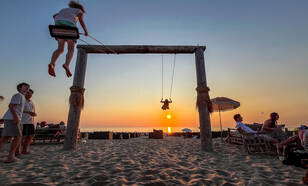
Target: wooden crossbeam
column 140, row 49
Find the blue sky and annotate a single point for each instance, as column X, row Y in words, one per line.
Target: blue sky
column 256, row 54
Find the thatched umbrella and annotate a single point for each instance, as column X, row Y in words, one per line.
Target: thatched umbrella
column 223, row 104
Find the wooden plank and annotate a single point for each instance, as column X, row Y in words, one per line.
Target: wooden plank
column 140, row 49
column 204, row 116
column 71, row 137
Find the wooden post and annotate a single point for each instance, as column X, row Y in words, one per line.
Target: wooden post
column 204, row 116
column 74, row 112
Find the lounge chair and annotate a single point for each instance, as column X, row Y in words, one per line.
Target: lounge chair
column 234, row 137
column 256, row 144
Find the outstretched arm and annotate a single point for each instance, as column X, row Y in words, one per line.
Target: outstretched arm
column 161, row 100
column 80, row 17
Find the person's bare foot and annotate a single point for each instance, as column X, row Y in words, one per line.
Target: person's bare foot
column 10, row 160
column 67, row 70
column 51, row 70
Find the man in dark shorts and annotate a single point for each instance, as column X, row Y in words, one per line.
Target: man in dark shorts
column 27, row 122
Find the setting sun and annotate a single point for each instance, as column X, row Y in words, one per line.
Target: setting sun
column 168, row 116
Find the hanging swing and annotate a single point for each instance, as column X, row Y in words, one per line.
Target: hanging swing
column 166, row 101
column 63, row 32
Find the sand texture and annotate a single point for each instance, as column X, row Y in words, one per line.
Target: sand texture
column 142, row 161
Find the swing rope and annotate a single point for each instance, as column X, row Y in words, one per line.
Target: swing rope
column 174, row 59
column 112, row 51
column 162, row 76
column 84, row 41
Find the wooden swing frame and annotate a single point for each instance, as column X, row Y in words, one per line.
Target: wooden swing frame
column 71, row 137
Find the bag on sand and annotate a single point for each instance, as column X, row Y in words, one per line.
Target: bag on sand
column 295, row 157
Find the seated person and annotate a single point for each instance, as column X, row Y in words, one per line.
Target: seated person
column 300, row 140
column 271, row 128
column 242, row 127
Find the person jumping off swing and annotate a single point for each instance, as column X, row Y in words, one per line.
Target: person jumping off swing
column 165, row 103
column 67, row 17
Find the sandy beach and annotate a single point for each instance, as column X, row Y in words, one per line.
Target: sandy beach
column 143, row 161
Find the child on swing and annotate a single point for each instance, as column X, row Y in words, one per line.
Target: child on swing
column 67, row 17
column 165, row 103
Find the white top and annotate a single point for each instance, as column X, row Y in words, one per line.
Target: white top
column 68, row 14
column 27, row 118
column 19, row 101
column 244, row 127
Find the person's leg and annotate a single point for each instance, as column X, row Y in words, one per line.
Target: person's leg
column 17, row 151
column 55, row 56
column 11, row 157
column 227, row 140
column 69, row 56
column 27, row 143
column 294, row 139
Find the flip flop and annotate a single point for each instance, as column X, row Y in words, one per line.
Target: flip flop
column 67, row 70
column 51, row 70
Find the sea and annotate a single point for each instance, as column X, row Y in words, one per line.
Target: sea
column 143, row 129
column 139, row 129
column 150, row 129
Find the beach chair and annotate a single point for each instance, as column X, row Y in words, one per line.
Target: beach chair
column 49, row 134
column 255, row 144
column 235, row 137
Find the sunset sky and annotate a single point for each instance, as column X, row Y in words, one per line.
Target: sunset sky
column 256, row 54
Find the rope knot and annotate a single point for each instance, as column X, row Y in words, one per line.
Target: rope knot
column 203, row 98
column 202, row 89
column 77, row 97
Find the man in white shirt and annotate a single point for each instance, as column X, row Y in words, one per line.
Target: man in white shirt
column 12, row 121
column 27, row 122
column 239, row 125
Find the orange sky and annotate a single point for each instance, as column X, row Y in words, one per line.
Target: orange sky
column 256, row 54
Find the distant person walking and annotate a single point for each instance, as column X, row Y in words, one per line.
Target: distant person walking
column 12, row 121
column 67, row 17
column 27, row 122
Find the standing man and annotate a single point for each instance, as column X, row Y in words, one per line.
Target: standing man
column 12, row 121
column 27, row 122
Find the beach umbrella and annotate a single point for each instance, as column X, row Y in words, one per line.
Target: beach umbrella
column 223, row 104
column 186, row 130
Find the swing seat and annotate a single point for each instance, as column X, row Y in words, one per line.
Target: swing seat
column 63, row 32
